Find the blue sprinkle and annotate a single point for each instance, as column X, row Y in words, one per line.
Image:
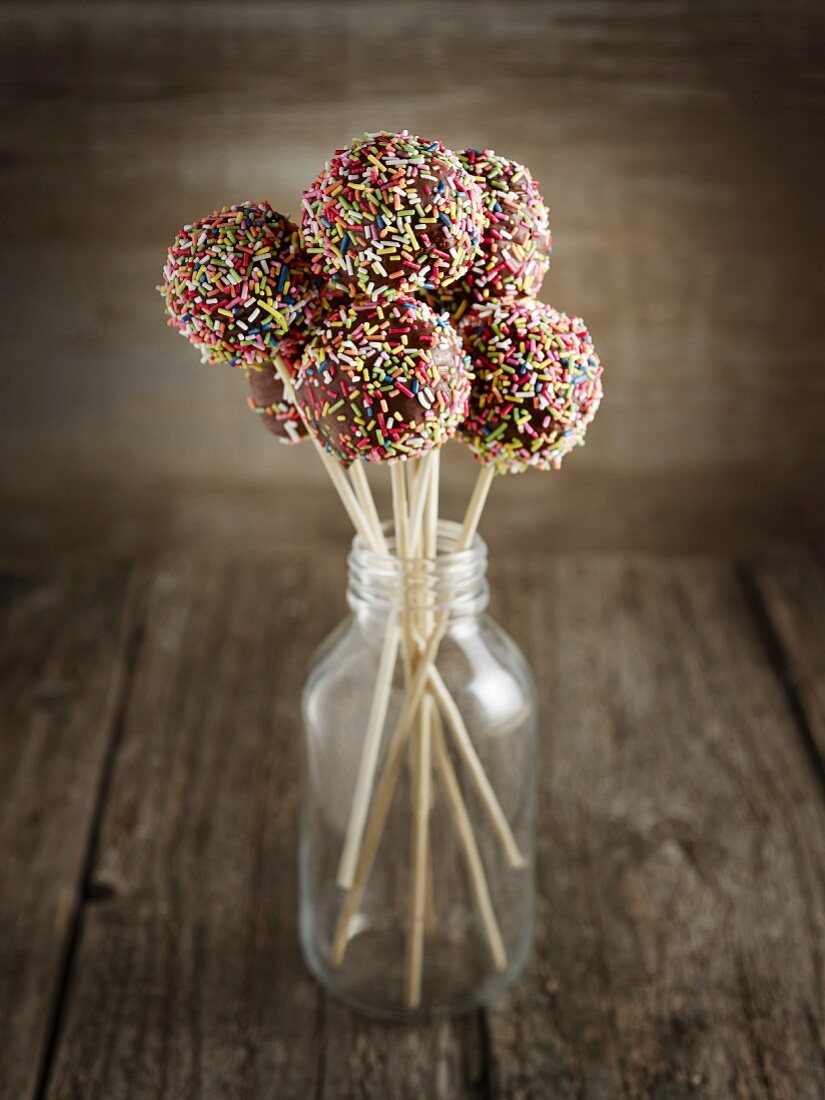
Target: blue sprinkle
column 441, row 187
column 379, row 221
column 442, row 217
column 344, row 243
column 283, row 275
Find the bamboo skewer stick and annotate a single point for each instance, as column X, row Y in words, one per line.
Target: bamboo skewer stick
column 475, row 507
column 400, row 510
column 420, row 859
column 419, row 763
column 363, row 492
column 421, row 878
column 401, row 524
column 379, row 810
column 479, row 776
column 418, row 505
column 369, row 754
column 472, row 857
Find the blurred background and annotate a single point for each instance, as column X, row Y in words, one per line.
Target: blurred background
column 679, row 146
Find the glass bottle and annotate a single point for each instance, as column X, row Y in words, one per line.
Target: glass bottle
column 440, row 916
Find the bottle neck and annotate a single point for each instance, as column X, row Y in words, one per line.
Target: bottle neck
column 451, row 583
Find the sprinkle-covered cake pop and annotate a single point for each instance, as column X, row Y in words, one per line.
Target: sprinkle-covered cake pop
column 515, row 249
column 391, row 214
column 514, row 252
column 383, row 380
column 236, row 282
column 268, row 400
column 537, row 384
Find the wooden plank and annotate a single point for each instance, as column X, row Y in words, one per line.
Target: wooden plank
column 792, row 589
column 189, row 980
column 682, row 839
column 382, row 1061
column 63, row 647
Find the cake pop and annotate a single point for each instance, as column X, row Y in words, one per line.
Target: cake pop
column 268, row 400
column 383, row 380
column 393, row 213
column 514, row 252
column 537, row 384
column 236, row 282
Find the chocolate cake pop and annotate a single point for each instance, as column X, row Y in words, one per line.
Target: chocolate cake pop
column 514, row 251
column 537, row 384
column 236, row 282
column 268, row 400
column 383, row 380
column 393, row 213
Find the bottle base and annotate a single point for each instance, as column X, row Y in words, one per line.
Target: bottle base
column 457, row 978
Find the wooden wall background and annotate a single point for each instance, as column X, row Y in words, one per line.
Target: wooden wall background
column 680, row 146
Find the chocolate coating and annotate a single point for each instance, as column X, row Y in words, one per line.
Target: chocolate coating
column 514, row 252
column 236, row 282
column 538, row 384
column 268, row 400
column 383, row 380
column 392, row 213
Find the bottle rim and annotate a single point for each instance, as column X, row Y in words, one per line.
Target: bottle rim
column 453, row 581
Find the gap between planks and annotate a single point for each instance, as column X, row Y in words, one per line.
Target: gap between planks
column 131, row 636
column 782, row 664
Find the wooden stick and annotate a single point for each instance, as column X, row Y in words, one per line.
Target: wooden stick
column 400, row 510
column 431, row 526
column 475, row 507
column 369, row 754
column 401, row 522
column 472, row 857
column 420, row 856
column 418, row 504
column 412, row 468
column 465, row 746
column 367, row 501
column 415, row 932
column 377, row 820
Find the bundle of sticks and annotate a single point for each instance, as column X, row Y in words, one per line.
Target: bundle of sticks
column 402, row 314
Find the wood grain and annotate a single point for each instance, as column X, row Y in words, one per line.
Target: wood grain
column 681, row 835
column 189, row 980
column 64, row 645
column 682, row 906
column 793, row 591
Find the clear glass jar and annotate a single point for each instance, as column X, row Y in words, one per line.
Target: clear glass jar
column 440, row 915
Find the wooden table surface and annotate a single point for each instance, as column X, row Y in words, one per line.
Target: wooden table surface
column 148, row 802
